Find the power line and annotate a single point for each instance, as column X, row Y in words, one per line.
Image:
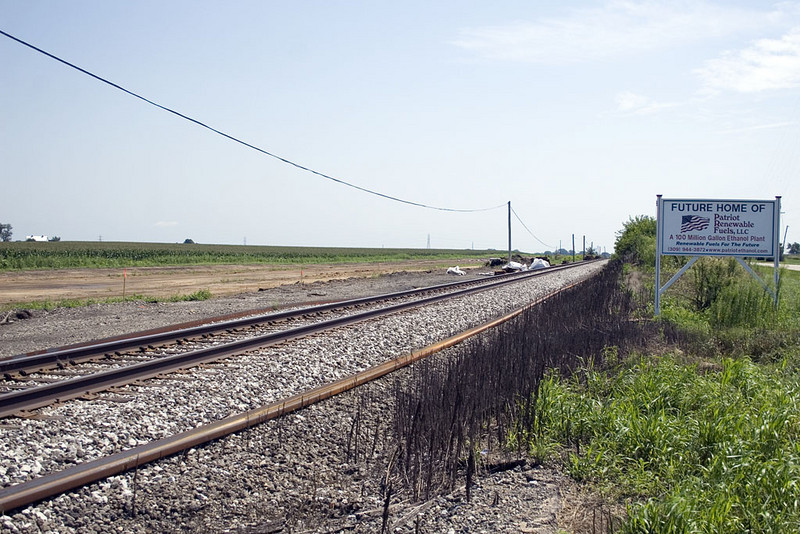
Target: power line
column 528, row 229
column 232, row 138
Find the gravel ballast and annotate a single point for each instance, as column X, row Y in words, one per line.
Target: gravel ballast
column 291, row 474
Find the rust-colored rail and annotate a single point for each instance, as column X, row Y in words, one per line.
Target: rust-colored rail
column 56, row 483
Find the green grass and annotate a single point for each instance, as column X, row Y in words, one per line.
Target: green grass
column 202, row 294
column 76, row 254
column 689, row 451
column 723, row 293
column 706, row 436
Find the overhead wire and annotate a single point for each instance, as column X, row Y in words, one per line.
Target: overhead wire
column 237, row 140
column 529, row 230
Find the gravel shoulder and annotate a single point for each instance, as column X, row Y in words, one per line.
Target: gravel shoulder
column 309, row 472
column 64, row 326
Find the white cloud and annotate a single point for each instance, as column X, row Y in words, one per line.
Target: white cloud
column 165, row 224
column 632, row 103
column 767, row 64
column 616, row 28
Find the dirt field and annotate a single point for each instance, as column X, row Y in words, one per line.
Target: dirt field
column 164, row 282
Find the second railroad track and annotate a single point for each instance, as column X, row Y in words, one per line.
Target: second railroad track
column 120, row 410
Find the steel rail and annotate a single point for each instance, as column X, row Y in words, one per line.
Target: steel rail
column 49, row 359
column 39, row 396
column 53, row 484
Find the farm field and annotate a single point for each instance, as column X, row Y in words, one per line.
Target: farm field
column 51, row 274
column 78, row 254
column 53, row 287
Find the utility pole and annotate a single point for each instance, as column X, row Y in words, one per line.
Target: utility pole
column 783, row 243
column 509, row 231
column 573, row 248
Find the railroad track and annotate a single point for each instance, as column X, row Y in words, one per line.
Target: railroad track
column 30, row 382
column 137, row 356
column 62, row 357
column 184, row 436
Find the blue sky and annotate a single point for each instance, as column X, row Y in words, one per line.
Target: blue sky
column 579, row 113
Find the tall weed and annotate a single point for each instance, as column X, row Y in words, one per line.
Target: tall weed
column 713, row 452
column 711, row 276
column 745, row 303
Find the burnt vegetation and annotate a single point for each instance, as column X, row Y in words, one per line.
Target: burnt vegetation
column 456, row 412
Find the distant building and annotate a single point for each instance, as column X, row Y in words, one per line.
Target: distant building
column 35, row 238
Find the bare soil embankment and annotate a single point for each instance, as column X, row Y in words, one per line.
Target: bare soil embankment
column 164, row 282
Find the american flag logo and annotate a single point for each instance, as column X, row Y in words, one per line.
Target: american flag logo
column 693, row 223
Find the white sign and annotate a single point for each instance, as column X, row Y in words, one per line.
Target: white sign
column 690, row 227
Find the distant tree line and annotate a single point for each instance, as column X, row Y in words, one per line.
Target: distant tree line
column 5, row 233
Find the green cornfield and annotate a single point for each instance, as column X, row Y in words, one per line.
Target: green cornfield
column 78, row 254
